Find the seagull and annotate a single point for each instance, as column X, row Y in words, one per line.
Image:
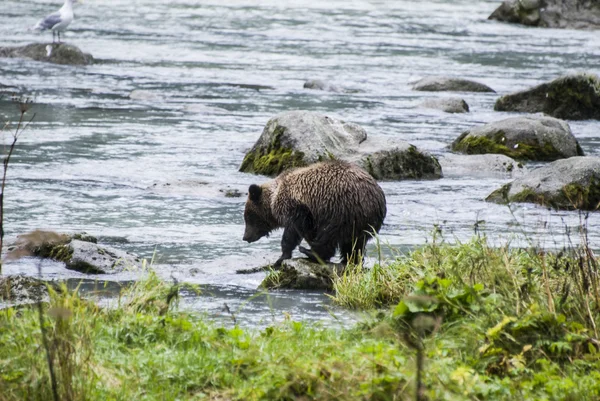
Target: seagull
column 58, row 21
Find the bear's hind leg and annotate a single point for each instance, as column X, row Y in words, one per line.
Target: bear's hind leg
column 320, row 252
column 353, row 251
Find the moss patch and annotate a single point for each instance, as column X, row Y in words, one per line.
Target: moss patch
column 273, row 159
column 500, row 195
column 582, row 197
column 411, row 164
column 474, row 145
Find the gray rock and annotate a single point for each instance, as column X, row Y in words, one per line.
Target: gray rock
column 449, row 84
column 572, row 183
column 302, row 274
column 572, row 97
column 22, row 289
column 57, row 53
column 571, row 14
column 87, row 257
column 522, row 138
column 299, row 138
column 82, row 254
column 487, row 165
column 448, row 105
column 321, row 85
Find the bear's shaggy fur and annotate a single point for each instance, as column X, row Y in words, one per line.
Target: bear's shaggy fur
column 332, row 205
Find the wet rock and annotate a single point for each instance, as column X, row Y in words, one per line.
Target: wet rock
column 82, row 254
column 571, row 14
column 299, row 138
column 572, row 183
column 22, row 289
column 302, row 274
column 522, row 138
column 449, row 84
column 232, row 193
column 321, row 85
column 57, row 53
column 448, row 105
column 481, row 165
column 572, row 97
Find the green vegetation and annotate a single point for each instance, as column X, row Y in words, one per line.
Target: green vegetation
column 459, row 322
column 475, row 144
column 273, row 159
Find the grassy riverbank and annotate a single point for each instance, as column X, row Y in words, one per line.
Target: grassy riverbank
column 487, row 323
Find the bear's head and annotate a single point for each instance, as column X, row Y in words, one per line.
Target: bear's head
column 257, row 215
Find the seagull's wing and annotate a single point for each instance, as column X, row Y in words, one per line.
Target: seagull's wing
column 48, row 22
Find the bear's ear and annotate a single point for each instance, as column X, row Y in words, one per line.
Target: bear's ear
column 254, row 192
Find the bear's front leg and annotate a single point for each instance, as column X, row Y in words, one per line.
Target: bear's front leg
column 290, row 240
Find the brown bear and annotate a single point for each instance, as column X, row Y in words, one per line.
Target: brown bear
column 332, row 205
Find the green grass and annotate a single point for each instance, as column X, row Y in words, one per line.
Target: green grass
column 489, row 323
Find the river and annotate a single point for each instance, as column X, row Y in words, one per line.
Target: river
column 147, row 173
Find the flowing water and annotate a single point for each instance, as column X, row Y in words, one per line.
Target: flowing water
column 140, row 148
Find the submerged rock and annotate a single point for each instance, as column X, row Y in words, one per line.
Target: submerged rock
column 572, row 97
column 302, row 274
column 523, row 138
column 57, row 53
column 449, row 84
column 22, row 289
column 571, row 14
column 448, row 105
column 79, row 252
column 572, row 183
column 299, row 138
column 321, row 85
column 481, row 165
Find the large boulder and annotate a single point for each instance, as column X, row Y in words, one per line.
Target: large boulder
column 299, row 138
column 572, row 183
column 522, row 138
column 79, row 252
column 572, row 97
column 449, row 84
column 302, row 274
column 57, row 53
column 572, row 14
column 487, row 165
column 447, row 105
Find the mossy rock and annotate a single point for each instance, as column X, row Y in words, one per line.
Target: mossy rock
column 571, row 14
column 273, row 159
column 302, row 274
column 569, row 184
column 21, row 289
column 450, row 84
column 447, row 105
column 401, row 164
column 299, row 138
column 57, row 53
column 572, row 97
column 83, row 255
column 522, row 138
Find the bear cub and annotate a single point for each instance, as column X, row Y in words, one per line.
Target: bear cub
column 331, row 205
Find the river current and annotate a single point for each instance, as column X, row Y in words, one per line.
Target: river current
column 140, row 148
